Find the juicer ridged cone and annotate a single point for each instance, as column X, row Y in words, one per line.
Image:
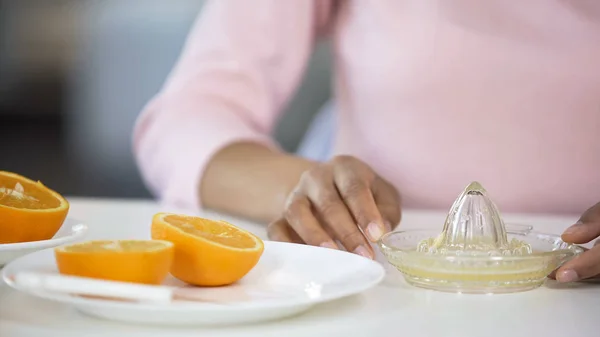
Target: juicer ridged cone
column 474, row 225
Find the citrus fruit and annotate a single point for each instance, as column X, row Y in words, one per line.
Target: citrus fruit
column 207, row 252
column 138, row 261
column 29, row 211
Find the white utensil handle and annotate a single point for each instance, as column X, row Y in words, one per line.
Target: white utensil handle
column 93, row 287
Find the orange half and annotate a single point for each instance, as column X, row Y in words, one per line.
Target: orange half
column 207, row 252
column 137, row 261
column 29, row 211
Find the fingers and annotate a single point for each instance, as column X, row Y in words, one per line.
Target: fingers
column 581, row 267
column 300, row 217
column 280, row 230
column 552, row 275
column 586, row 229
column 587, row 264
column 334, row 214
column 337, row 201
column 356, row 194
column 388, row 201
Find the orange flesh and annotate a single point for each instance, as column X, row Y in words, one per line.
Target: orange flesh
column 114, row 246
column 218, row 232
column 25, row 195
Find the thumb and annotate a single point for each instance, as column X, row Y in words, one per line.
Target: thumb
column 586, row 229
column 582, row 267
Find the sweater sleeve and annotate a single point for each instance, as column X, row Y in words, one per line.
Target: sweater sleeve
column 241, row 63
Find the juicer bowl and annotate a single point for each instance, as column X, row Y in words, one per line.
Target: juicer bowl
column 476, row 273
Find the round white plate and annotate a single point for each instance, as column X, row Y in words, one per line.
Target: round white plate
column 289, row 279
column 71, row 231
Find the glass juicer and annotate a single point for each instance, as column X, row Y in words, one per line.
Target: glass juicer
column 476, row 252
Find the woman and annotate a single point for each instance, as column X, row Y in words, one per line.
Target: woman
column 430, row 95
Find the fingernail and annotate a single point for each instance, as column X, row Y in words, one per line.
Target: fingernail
column 329, row 244
column 363, row 251
column 566, row 276
column 374, row 231
column 574, row 229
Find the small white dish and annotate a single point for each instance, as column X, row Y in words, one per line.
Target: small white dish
column 71, row 231
column 289, row 279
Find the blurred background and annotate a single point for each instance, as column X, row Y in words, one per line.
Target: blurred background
column 74, row 75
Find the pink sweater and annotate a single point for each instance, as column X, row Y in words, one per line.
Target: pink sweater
column 431, row 93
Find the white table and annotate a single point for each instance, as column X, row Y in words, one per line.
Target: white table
column 392, row 309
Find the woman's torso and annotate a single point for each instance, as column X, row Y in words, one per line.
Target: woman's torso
column 434, row 94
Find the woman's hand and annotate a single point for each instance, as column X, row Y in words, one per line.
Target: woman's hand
column 343, row 201
column 586, row 265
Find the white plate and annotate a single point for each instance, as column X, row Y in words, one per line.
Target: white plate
column 71, row 231
column 289, row 279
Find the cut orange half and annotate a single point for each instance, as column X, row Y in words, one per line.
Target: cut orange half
column 207, row 252
column 137, row 261
column 29, row 211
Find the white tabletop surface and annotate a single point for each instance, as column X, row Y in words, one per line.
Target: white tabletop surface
column 392, row 309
